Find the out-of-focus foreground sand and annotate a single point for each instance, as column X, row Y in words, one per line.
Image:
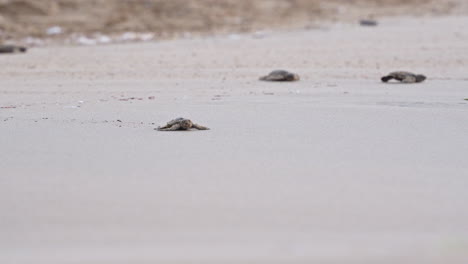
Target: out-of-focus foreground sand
column 336, row 168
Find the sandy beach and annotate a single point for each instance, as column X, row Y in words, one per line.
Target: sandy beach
column 335, row 168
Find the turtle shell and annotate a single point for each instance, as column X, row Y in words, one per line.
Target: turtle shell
column 280, row 75
column 175, row 121
column 401, row 75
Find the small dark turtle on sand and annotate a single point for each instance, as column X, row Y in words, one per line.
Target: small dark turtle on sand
column 368, row 22
column 12, row 49
column 280, row 76
column 180, row 124
column 404, row 77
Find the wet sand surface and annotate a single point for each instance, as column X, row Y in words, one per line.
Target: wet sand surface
column 335, row 168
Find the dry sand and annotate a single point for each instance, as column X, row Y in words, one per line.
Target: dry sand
column 336, row 168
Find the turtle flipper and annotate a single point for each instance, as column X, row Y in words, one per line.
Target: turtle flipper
column 386, row 78
column 163, row 127
column 171, row 128
column 196, row 126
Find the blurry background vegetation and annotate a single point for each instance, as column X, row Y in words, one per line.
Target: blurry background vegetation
column 170, row 18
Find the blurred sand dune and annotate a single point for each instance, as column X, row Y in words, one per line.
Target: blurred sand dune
column 169, row 18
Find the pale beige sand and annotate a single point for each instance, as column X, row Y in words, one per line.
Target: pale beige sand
column 336, row 168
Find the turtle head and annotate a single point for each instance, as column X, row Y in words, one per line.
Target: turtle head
column 420, row 78
column 186, row 124
column 293, row 77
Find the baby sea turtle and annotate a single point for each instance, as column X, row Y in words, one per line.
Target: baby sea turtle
column 180, row 124
column 280, row 76
column 404, row 77
column 368, row 22
column 12, row 49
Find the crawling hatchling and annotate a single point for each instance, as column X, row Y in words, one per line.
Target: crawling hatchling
column 12, row 49
column 280, row 76
column 404, row 77
column 180, row 124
